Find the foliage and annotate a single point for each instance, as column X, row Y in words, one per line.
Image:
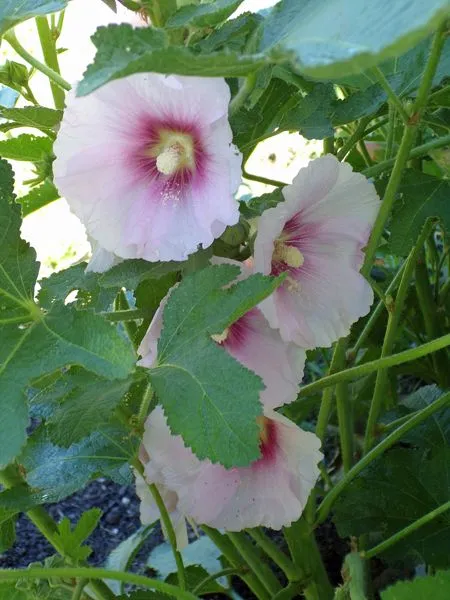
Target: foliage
column 370, row 79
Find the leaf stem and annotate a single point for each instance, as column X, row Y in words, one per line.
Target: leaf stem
column 260, row 179
column 95, row 573
column 273, row 552
column 416, row 418
column 78, row 591
column 421, row 150
column 374, row 365
column 12, row 40
column 261, row 570
column 125, row 315
column 214, row 576
column 50, row 57
column 409, row 135
column 354, row 138
column 406, row 531
column 235, row 560
column 394, row 316
column 243, row 93
column 392, row 96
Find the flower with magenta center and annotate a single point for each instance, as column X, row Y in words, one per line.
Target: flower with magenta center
column 316, row 237
column 148, row 165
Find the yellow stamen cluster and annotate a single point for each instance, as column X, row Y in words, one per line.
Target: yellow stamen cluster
column 289, row 255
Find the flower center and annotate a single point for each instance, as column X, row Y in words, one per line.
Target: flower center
column 289, row 255
column 174, row 152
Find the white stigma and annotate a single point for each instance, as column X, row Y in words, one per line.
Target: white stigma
column 168, row 162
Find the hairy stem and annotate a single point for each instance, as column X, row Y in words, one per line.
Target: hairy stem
column 273, row 552
column 416, row 419
column 50, row 57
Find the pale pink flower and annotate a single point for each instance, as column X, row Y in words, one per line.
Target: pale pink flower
column 146, row 162
column 253, row 343
column 271, row 492
column 316, row 236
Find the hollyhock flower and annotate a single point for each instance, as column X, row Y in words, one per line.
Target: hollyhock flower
column 316, row 236
column 271, row 492
column 253, row 343
column 146, row 162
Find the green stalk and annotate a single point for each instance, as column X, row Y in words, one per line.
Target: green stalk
column 374, row 365
column 95, row 573
column 390, row 440
column 265, row 180
column 327, row 396
column 253, row 560
column 292, row 590
column 303, row 547
column 12, row 40
column 78, row 591
column 421, row 150
column 243, row 93
column 9, row 478
column 273, row 552
column 406, row 531
column 430, row 316
column 409, row 135
column 132, row 314
column 391, row 133
column 328, row 145
column 235, row 560
column 51, row 58
column 354, row 138
column 392, row 96
column 395, row 313
column 351, row 354
column 223, row 573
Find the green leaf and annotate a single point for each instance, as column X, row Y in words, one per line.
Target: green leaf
column 55, row 473
column 432, row 587
column 71, row 539
column 312, row 115
column 7, row 530
column 38, row 197
column 256, row 206
column 421, row 196
column 203, row 15
column 335, row 38
column 14, row 75
column 217, row 417
column 33, row 116
column 234, row 34
column 130, row 273
column 26, row 147
column 123, row 555
column 13, row 12
column 142, row 596
column 122, row 51
column 8, row 591
column 85, row 410
column 403, row 485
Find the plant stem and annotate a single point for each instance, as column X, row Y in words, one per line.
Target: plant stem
column 392, row 96
column 430, row 316
column 10, row 477
column 259, row 567
column 395, row 313
column 252, row 177
column 273, row 552
column 235, row 560
column 144, row 407
column 374, row 365
column 421, row 150
column 354, row 138
column 328, row 145
column 214, row 576
column 170, row 532
column 409, row 135
column 12, row 40
column 307, row 558
column 375, row 315
column 50, row 57
column 78, row 591
column 413, row 421
column 243, row 93
column 391, row 133
column 406, row 531
column 95, row 573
